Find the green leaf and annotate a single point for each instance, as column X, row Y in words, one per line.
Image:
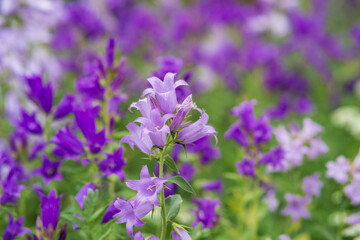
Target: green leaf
column 171, row 163
column 173, row 205
column 76, row 208
column 98, row 213
column 72, row 219
column 181, row 182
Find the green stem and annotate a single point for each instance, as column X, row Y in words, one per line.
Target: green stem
column 162, row 196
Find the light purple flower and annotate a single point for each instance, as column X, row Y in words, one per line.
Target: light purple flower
column 297, row 207
column 271, row 200
column 181, row 234
column 131, row 212
column 184, row 109
column 147, row 187
column 352, row 191
column 312, row 185
column 284, row 237
column 353, row 219
column 197, row 130
column 138, row 138
column 156, row 127
column 139, row 236
column 338, row 170
column 165, row 91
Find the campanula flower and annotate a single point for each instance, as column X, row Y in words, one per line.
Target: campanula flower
column 147, row 187
column 14, row 228
column 49, row 170
column 113, row 164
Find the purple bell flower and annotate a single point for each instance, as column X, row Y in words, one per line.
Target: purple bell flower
column 156, row 127
column 29, row 123
column 49, row 170
column 138, row 138
column 206, row 212
column 147, row 187
column 10, row 188
column 274, row 157
column 131, row 212
column 246, row 167
column 187, row 171
column 113, row 164
column 181, row 234
column 68, row 142
column 14, row 228
column 40, row 94
column 184, row 109
column 65, row 107
column 197, row 130
column 297, row 207
column 50, row 210
column 165, row 91
column 18, row 140
column 83, row 193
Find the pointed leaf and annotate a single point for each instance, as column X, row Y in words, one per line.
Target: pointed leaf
column 181, row 182
column 171, row 163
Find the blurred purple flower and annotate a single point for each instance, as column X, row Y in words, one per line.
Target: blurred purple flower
column 206, row 212
column 187, row 171
column 49, row 170
column 29, row 123
column 68, row 142
column 352, row 191
column 65, row 107
column 50, row 210
column 40, row 94
column 312, row 185
column 214, row 186
column 10, row 188
column 138, row 138
column 338, row 170
column 113, row 164
column 246, row 167
column 297, row 207
column 14, row 228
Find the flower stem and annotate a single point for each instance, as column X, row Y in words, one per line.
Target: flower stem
column 162, row 195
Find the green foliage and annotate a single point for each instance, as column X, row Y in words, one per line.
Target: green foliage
column 173, row 205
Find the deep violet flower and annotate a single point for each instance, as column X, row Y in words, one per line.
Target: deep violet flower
column 113, row 164
column 246, row 167
column 65, row 107
column 206, row 212
column 50, row 209
column 39, row 93
column 10, row 188
column 338, row 170
column 68, row 142
column 187, row 171
column 131, row 212
column 147, row 187
column 14, row 228
column 83, row 193
column 297, row 207
column 49, row 170
column 29, row 123
column 109, row 213
column 180, row 234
